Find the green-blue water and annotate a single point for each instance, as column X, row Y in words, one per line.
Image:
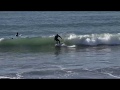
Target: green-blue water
column 33, row 54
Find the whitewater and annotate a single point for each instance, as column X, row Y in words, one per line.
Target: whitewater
column 33, row 55
column 45, row 43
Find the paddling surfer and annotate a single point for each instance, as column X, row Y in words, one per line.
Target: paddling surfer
column 17, row 34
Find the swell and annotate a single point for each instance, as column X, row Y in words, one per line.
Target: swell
column 47, row 43
column 22, row 44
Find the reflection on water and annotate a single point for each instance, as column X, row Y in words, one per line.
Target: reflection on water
column 57, row 51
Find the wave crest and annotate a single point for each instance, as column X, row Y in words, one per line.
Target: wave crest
column 95, row 39
column 48, row 43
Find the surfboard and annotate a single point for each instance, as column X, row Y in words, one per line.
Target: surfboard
column 64, row 45
column 60, row 45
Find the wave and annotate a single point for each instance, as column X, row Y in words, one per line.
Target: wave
column 48, row 42
column 33, row 43
column 95, row 39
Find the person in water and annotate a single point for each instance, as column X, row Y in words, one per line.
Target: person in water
column 56, row 38
column 17, row 34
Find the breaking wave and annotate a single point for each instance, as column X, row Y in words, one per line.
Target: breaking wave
column 46, row 43
column 95, row 39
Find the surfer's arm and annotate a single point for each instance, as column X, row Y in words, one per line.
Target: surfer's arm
column 60, row 37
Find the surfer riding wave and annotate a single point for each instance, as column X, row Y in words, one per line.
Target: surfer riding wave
column 56, row 39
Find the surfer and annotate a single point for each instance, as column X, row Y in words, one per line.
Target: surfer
column 56, row 38
column 17, row 34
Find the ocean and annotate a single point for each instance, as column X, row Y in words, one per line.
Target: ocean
column 92, row 40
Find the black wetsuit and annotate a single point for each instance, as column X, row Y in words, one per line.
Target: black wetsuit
column 56, row 38
column 17, row 35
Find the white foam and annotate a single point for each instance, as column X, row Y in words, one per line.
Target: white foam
column 72, row 46
column 1, row 39
column 112, row 75
column 5, row 77
column 95, row 39
column 18, row 76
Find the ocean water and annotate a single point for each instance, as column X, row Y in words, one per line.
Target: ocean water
column 92, row 40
